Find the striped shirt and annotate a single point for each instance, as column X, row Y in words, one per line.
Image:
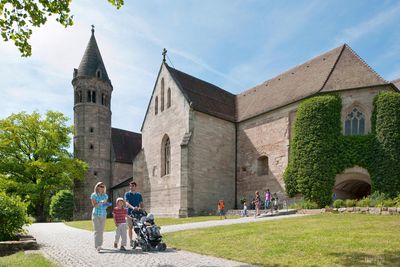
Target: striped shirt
column 100, row 211
column 119, row 215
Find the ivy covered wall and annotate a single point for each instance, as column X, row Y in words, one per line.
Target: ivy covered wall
column 319, row 150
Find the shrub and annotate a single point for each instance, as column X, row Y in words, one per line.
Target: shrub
column 350, row 203
column 365, row 202
column 397, row 201
column 13, row 216
column 304, row 204
column 338, row 203
column 377, row 199
column 62, row 205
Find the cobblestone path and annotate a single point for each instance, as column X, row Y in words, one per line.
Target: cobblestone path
column 74, row 247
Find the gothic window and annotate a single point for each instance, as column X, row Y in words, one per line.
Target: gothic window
column 80, row 96
column 169, row 98
column 91, row 146
column 91, row 129
column 76, row 97
column 166, row 156
column 104, row 99
column 93, row 96
column 355, row 122
column 162, row 94
column 156, row 105
column 262, row 165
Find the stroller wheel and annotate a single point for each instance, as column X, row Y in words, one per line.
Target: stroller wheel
column 162, row 247
column 146, row 248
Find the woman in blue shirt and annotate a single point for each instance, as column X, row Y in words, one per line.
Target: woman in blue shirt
column 99, row 213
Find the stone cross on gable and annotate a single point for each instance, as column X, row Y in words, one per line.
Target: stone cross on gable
column 92, row 29
column 164, row 53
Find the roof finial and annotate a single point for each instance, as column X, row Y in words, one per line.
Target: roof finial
column 164, row 53
column 92, row 29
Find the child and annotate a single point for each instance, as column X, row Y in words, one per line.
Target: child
column 244, row 211
column 120, row 214
column 221, row 207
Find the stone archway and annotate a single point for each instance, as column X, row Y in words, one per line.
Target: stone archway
column 353, row 183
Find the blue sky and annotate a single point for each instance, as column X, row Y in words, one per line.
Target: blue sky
column 233, row 44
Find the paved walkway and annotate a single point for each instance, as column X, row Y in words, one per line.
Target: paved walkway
column 74, row 247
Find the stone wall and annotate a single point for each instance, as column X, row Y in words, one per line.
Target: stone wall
column 265, row 135
column 212, row 163
column 164, row 191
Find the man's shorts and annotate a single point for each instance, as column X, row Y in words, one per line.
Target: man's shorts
column 129, row 220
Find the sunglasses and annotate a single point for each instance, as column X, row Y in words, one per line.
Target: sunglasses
column 101, row 186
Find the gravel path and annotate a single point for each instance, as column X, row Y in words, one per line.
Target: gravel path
column 74, row 247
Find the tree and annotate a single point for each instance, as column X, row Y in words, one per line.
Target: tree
column 18, row 17
column 34, row 160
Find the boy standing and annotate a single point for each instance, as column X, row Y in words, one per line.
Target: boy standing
column 120, row 214
column 221, row 209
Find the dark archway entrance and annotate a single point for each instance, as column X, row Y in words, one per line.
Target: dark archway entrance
column 353, row 183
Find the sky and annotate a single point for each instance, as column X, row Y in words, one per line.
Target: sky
column 230, row 43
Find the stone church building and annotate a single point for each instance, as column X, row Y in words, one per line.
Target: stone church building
column 201, row 143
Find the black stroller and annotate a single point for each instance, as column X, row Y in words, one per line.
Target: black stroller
column 147, row 232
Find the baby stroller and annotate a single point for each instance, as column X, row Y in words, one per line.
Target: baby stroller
column 147, row 232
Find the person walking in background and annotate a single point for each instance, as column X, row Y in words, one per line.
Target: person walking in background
column 257, row 203
column 99, row 202
column 120, row 214
column 244, row 211
column 267, row 199
column 221, row 209
column 134, row 201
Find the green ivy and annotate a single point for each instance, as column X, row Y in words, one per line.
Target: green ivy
column 319, row 150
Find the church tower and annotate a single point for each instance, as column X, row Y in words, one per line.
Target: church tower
column 92, row 122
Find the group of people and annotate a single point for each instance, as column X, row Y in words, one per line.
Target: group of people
column 271, row 202
column 132, row 200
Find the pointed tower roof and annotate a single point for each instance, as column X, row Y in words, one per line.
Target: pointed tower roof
column 92, row 64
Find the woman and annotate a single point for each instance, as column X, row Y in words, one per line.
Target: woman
column 257, row 203
column 99, row 213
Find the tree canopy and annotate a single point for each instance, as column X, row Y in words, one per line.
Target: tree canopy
column 18, row 17
column 34, row 158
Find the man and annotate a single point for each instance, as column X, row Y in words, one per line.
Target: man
column 134, row 201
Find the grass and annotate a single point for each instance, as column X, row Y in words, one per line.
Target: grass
column 22, row 259
column 319, row 240
column 87, row 224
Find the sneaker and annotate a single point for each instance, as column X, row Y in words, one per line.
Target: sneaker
column 122, row 248
column 131, row 243
column 115, row 245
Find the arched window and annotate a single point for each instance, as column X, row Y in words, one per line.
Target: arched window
column 165, row 156
column 98, row 74
column 76, row 98
column 91, row 96
column 262, row 165
column 355, row 122
column 156, row 105
column 169, row 98
column 162, row 94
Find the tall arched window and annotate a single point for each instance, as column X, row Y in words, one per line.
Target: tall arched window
column 169, row 98
column 355, row 122
column 162, row 94
column 165, row 156
column 262, row 165
column 91, row 96
column 156, row 105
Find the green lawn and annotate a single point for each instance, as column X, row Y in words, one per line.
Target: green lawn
column 87, row 225
column 21, row 259
column 319, row 240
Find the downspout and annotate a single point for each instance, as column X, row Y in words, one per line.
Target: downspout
column 236, row 145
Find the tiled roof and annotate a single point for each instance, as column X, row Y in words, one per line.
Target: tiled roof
column 92, row 61
column 396, row 83
column 125, row 144
column 205, row 97
column 334, row 70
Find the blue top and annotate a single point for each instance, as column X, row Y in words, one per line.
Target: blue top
column 101, row 209
column 134, row 199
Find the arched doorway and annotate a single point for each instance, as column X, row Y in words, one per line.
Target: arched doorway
column 353, row 183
